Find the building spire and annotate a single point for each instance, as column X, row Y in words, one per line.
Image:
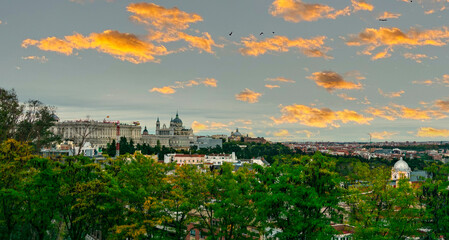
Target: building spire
column 177, row 113
column 157, row 119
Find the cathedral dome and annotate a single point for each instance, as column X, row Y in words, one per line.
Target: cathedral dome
column 237, row 133
column 177, row 119
column 145, row 131
column 401, row 166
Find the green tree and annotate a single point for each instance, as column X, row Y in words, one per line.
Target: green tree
column 82, row 188
column 10, row 112
column 180, row 200
column 234, row 208
column 13, row 175
column 380, row 210
column 111, row 148
column 435, row 201
column 300, row 199
column 41, row 194
column 35, row 125
column 140, row 188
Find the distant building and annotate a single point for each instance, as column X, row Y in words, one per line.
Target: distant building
column 69, row 149
column 401, row 170
column 184, row 159
column 207, row 142
column 175, row 135
column 254, row 140
column 219, row 159
column 220, row 136
column 97, row 133
column 236, row 136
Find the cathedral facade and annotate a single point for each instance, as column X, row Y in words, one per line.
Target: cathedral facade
column 175, row 135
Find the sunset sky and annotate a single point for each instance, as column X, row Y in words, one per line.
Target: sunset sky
column 292, row 70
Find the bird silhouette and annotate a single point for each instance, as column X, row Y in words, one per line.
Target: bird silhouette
column 261, row 33
column 230, row 33
column 382, row 19
column 273, row 32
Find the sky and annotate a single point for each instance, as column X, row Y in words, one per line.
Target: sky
column 286, row 70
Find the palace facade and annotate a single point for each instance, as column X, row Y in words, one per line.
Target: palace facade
column 101, row 133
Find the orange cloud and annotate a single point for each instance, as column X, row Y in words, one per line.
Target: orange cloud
column 248, row 95
column 196, row 126
column 391, row 37
column 42, row 59
column 280, row 79
column 417, row 57
column 385, row 112
column 391, row 94
column 321, row 118
column 161, row 17
column 444, row 80
column 50, row 44
column 398, row 111
column 354, row 74
column 190, row 83
column 384, row 54
column 359, row 5
column 123, row 46
column 386, row 15
column 313, row 47
column 271, row 86
column 281, row 133
column 425, row 82
column 208, row 126
column 169, row 22
column 308, row 133
column 432, row 132
column 210, row 82
column 346, row 97
column 332, row 80
column 297, row 11
column 443, row 105
column 204, row 43
column 164, row 90
column 382, row 135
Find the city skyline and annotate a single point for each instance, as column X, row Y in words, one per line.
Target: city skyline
column 288, row 70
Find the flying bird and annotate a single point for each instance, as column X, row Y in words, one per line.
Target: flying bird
column 382, row 19
column 273, row 32
column 261, row 33
column 230, row 33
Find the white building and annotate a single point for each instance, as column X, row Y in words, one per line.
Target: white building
column 96, row 132
column 219, row 159
column 400, row 170
column 184, row 159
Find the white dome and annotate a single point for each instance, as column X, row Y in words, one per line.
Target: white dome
column 401, row 166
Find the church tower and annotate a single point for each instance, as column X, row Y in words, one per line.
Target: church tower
column 158, row 126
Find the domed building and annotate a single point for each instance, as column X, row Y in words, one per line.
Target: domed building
column 175, row 135
column 400, row 170
column 175, row 129
column 145, row 131
column 236, row 136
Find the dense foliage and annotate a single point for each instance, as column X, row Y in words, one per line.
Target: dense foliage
column 135, row 197
column 29, row 122
column 242, row 150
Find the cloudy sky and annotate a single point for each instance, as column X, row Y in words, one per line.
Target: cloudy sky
column 297, row 70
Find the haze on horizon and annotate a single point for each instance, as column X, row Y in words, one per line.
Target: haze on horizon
column 292, row 70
